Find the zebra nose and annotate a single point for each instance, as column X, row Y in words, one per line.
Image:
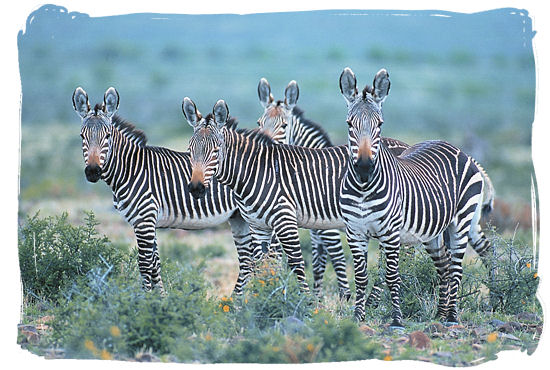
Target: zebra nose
column 197, row 189
column 364, row 167
column 92, row 172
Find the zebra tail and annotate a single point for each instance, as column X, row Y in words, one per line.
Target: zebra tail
column 488, row 191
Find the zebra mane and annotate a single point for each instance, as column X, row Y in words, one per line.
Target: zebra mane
column 231, row 123
column 256, row 135
column 129, row 130
column 299, row 113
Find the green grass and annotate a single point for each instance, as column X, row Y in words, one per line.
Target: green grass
column 100, row 310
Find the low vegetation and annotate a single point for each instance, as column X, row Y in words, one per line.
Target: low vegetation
column 83, row 299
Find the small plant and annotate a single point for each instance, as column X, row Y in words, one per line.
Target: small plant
column 52, row 253
column 112, row 314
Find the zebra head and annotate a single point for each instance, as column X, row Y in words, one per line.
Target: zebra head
column 277, row 114
column 205, row 143
column 364, row 119
column 96, row 129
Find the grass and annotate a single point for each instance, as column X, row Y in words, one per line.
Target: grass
column 101, row 312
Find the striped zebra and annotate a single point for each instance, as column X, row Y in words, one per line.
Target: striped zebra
column 278, row 187
column 149, row 185
column 432, row 189
column 285, row 123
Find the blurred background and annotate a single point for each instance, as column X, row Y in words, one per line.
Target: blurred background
column 466, row 78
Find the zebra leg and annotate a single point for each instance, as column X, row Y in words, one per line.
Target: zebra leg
column 373, row 300
column 480, row 243
column 390, row 245
column 458, row 238
column 441, row 258
column 359, row 248
column 286, row 230
column 148, row 255
column 331, row 242
column 243, row 241
column 318, row 261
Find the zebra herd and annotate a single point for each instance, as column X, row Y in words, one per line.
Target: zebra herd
column 285, row 175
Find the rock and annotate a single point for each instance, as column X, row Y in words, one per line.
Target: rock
column 443, row 354
column 29, row 332
column 402, row 340
column 496, row 323
column 477, row 346
column 527, row 316
column 146, row 357
column 508, row 336
column 367, row 330
column 436, row 327
column 510, row 327
column 419, row 339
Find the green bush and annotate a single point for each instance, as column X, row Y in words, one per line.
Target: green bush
column 510, row 282
column 52, row 253
column 101, row 315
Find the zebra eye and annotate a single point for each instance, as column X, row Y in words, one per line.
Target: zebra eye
column 380, row 122
column 107, row 136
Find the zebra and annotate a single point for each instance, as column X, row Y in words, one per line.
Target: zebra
column 285, row 123
column 278, row 187
column 149, row 185
column 432, row 189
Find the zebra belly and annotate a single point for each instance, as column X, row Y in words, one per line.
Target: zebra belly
column 319, row 223
column 193, row 223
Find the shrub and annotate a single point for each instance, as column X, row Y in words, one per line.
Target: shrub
column 273, row 295
column 510, row 281
column 111, row 314
column 53, row 252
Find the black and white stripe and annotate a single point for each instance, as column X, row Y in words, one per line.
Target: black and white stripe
column 149, row 184
column 278, row 187
column 431, row 190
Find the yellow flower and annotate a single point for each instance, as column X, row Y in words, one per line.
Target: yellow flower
column 207, row 337
column 115, row 331
column 225, row 308
column 105, row 355
column 491, row 338
column 224, row 299
column 245, row 300
column 316, row 311
column 326, row 322
column 275, row 349
column 528, row 265
column 261, row 282
column 90, row 346
column 310, row 347
column 535, row 275
column 388, row 358
column 272, row 272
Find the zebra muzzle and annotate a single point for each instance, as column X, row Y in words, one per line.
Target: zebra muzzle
column 197, row 189
column 364, row 168
column 92, row 172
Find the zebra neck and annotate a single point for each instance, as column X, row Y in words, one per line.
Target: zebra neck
column 116, row 169
column 239, row 163
column 303, row 132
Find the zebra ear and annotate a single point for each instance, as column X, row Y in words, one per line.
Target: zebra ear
column 80, row 102
column 190, row 112
column 291, row 93
column 381, row 86
column 221, row 113
column 348, row 85
column 110, row 101
column 264, row 92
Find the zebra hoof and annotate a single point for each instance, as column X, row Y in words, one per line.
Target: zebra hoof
column 397, row 325
column 450, row 323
